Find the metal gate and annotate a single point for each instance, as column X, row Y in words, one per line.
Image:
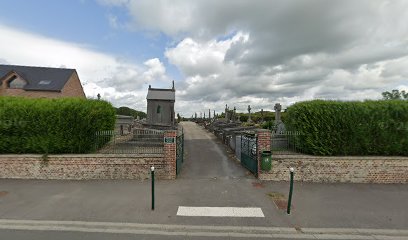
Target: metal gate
column 179, row 152
column 249, row 154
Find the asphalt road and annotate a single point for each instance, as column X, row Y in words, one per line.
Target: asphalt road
column 207, row 158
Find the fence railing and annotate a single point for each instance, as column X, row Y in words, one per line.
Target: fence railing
column 138, row 141
column 285, row 142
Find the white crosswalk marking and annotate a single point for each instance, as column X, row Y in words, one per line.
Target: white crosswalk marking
column 219, row 212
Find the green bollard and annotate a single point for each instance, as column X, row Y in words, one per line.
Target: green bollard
column 152, row 172
column 290, row 190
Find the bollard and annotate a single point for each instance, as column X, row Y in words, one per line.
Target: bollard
column 152, row 173
column 290, row 190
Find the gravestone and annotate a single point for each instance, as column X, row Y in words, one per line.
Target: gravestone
column 226, row 112
column 278, row 109
column 249, row 113
column 279, row 125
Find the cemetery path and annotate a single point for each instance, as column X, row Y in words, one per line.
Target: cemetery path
column 206, row 157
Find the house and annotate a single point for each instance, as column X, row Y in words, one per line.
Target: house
column 39, row 82
column 160, row 107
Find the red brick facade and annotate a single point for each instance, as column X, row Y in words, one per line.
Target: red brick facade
column 170, row 153
column 263, row 144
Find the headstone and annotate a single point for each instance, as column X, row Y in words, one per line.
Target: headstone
column 249, row 113
column 214, row 114
column 235, row 114
column 279, row 125
column 278, row 109
column 226, row 112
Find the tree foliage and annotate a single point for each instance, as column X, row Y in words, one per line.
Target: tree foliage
column 350, row 128
column 130, row 112
column 395, row 95
column 52, row 125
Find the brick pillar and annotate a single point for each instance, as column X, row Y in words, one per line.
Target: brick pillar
column 170, row 153
column 263, row 144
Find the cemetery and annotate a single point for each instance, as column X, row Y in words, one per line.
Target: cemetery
column 353, row 143
column 326, row 141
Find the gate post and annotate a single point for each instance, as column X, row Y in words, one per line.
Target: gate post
column 170, row 152
column 263, row 143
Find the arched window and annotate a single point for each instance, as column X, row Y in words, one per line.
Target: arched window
column 159, row 109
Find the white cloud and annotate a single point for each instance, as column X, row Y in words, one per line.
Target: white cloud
column 212, row 81
column 119, row 81
column 200, row 58
column 156, row 70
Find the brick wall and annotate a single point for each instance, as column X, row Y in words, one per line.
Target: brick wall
column 263, row 144
column 338, row 169
column 92, row 166
column 170, row 153
column 73, row 87
column 85, row 166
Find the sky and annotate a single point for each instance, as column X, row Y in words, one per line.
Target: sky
column 218, row 52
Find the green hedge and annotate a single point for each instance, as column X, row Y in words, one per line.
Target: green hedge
column 45, row 126
column 350, row 128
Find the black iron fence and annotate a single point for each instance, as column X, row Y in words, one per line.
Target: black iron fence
column 286, row 142
column 138, row 141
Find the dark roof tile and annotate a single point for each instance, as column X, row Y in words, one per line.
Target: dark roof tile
column 40, row 78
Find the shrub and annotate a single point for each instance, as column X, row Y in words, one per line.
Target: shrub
column 45, row 126
column 350, row 128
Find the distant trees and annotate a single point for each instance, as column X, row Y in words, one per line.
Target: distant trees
column 395, row 95
column 130, row 112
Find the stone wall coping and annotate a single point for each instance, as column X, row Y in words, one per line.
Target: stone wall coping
column 262, row 130
column 159, row 155
column 305, row 157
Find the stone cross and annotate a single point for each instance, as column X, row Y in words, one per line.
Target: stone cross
column 249, row 112
column 278, row 109
column 226, row 112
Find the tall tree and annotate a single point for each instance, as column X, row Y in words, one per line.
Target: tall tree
column 395, row 94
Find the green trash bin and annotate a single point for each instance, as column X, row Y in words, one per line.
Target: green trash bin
column 266, row 163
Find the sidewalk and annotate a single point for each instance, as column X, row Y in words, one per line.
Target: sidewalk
column 314, row 205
